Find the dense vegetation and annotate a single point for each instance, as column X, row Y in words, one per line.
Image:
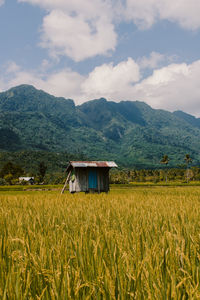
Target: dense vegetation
column 28, row 163
column 131, row 133
column 155, row 176
column 130, row 244
column 50, row 167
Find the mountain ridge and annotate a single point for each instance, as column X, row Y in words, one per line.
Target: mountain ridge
column 130, row 132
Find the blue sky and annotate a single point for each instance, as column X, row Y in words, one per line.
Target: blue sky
column 147, row 50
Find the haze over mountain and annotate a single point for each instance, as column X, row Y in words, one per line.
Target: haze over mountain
column 130, row 132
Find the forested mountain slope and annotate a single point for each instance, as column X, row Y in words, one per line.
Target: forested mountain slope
column 130, row 132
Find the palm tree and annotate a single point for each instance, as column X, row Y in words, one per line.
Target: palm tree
column 165, row 161
column 188, row 161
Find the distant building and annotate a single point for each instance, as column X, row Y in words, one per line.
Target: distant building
column 29, row 180
column 88, row 176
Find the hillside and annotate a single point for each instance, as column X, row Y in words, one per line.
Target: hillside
column 130, row 132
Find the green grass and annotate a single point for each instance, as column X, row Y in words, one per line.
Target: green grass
column 113, row 186
column 130, row 244
column 30, row 187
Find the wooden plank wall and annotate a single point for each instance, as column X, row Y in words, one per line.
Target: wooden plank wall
column 81, row 182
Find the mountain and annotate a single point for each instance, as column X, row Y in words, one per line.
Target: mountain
column 130, row 132
column 195, row 122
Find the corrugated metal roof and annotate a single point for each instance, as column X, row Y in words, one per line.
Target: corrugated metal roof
column 100, row 164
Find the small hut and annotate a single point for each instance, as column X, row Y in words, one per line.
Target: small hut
column 88, row 176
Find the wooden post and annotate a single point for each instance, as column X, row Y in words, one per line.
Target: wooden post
column 66, row 182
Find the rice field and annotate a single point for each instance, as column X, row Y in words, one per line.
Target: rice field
column 139, row 243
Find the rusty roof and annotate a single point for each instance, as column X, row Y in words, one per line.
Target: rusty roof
column 85, row 164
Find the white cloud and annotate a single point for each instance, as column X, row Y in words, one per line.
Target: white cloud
column 153, row 61
column 109, row 81
column 185, row 12
column 145, row 13
column 12, row 67
column 76, row 30
column 174, row 87
column 1, row 2
column 45, row 65
column 90, row 9
column 81, row 31
column 75, row 37
column 63, row 83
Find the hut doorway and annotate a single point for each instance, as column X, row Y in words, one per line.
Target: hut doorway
column 92, row 179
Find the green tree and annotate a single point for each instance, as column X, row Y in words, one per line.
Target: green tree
column 9, row 179
column 11, row 169
column 188, row 161
column 42, row 171
column 165, row 161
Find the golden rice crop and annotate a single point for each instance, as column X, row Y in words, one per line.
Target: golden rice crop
column 130, row 244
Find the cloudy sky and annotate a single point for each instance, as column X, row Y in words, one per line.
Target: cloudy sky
column 146, row 50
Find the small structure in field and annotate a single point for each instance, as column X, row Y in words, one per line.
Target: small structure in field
column 88, row 176
column 26, row 180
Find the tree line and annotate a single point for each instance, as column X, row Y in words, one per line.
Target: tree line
column 183, row 173
column 10, row 173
